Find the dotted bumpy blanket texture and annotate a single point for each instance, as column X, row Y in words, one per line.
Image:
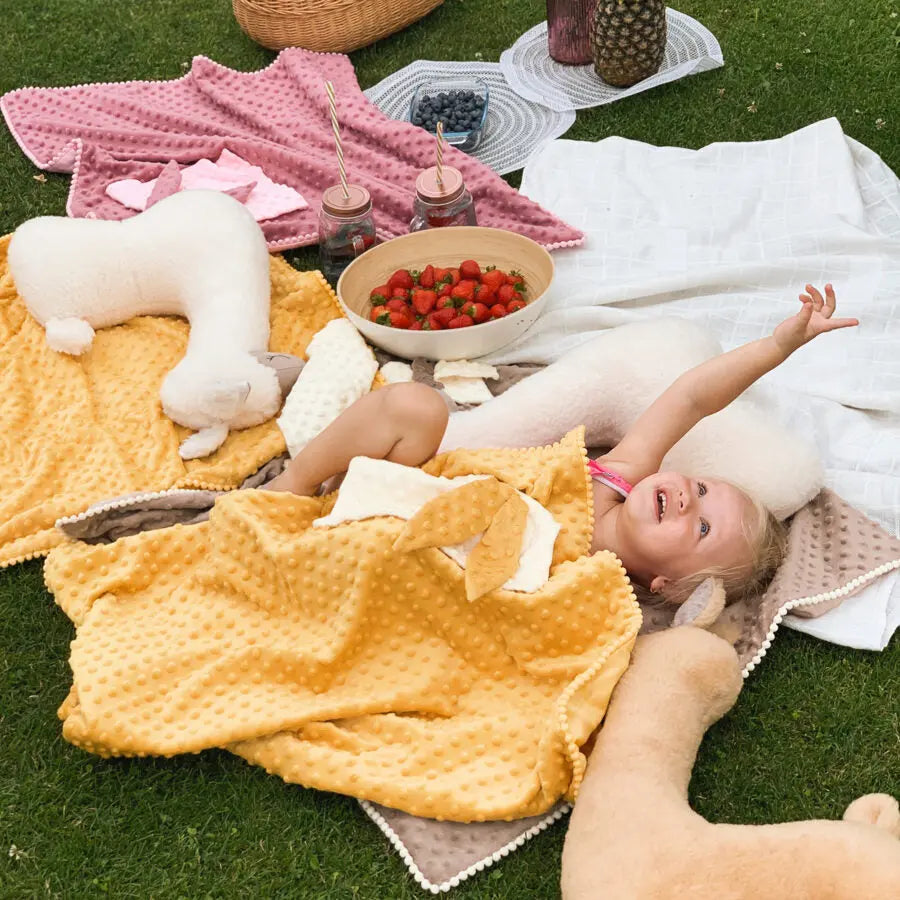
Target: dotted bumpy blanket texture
column 277, row 119
column 336, row 661
column 75, row 430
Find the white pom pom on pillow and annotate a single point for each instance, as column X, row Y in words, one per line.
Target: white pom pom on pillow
column 197, row 254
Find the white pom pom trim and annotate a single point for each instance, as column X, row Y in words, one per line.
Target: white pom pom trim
column 472, row 869
column 812, row 600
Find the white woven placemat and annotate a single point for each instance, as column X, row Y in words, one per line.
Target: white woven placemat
column 515, row 126
column 533, row 73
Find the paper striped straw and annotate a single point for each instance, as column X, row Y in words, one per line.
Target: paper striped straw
column 440, row 153
column 329, row 89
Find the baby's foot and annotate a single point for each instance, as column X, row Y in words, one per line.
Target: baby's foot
column 286, row 481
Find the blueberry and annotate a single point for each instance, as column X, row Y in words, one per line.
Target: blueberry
column 417, row 120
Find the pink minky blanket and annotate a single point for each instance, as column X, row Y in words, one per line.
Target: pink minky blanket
column 276, row 118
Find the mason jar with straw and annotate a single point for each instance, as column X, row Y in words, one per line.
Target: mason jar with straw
column 346, row 221
column 442, row 199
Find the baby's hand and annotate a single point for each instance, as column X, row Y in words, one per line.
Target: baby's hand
column 814, row 318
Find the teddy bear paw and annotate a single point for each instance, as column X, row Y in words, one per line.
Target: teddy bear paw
column 880, row 810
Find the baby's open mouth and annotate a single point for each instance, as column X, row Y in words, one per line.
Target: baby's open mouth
column 660, row 505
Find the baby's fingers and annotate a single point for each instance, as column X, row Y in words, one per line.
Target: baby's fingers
column 830, row 301
column 818, row 301
column 833, row 324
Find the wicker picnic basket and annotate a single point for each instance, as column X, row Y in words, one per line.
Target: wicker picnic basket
column 336, row 26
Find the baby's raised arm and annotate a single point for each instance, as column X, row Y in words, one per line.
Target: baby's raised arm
column 712, row 385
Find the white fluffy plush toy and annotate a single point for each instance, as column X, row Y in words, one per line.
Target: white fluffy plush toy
column 197, row 254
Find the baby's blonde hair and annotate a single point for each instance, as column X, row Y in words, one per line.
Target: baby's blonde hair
column 767, row 537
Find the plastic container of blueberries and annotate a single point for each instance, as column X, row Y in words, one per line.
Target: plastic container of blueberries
column 467, row 140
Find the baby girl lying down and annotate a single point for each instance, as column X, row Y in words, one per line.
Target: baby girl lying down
column 669, row 531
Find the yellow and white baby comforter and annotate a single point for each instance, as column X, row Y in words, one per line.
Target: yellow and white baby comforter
column 339, row 658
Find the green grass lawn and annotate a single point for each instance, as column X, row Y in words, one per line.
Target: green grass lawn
column 816, row 725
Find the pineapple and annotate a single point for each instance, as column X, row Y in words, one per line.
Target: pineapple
column 628, row 39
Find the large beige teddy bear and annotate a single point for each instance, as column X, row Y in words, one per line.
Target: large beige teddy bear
column 633, row 835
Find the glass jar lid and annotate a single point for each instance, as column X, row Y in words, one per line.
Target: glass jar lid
column 336, row 204
column 430, row 191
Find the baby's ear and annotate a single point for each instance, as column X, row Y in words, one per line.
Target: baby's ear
column 224, row 398
column 704, row 605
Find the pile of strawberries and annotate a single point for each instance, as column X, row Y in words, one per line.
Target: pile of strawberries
column 435, row 299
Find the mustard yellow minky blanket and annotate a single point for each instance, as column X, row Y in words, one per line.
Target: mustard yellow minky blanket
column 75, row 430
column 339, row 662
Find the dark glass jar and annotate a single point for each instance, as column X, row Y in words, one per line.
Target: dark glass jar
column 346, row 228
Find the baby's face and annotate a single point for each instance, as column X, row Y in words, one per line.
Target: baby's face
column 676, row 526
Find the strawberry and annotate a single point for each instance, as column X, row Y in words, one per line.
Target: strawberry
column 455, row 276
column 402, row 293
column 447, row 303
column 395, row 304
column 484, row 294
column 516, row 279
column 515, row 305
column 399, row 320
column 426, row 277
column 493, row 278
column 478, row 311
column 433, row 320
column 423, row 301
column 417, row 326
column 442, row 275
column 378, row 311
column 445, row 316
column 470, row 269
column 445, row 290
column 498, row 311
column 461, row 322
column 465, row 290
column 380, row 294
column 401, row 278
column 506, row 293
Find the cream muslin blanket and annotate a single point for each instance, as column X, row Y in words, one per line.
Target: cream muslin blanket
column 726, row 236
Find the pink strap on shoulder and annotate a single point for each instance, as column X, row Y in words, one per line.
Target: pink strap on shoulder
column 610, row 479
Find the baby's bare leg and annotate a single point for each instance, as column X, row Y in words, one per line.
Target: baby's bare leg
column 403, row 423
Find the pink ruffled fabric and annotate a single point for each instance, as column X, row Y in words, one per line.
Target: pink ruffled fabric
column 229, row 174
column 277, row 119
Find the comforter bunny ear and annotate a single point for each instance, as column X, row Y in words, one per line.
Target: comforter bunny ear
column 495, row 558
column 485, row 506
column 454, row 516
column 704, row 606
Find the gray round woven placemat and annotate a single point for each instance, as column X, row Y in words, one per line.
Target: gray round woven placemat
column 515, row 127
column 533, row 73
